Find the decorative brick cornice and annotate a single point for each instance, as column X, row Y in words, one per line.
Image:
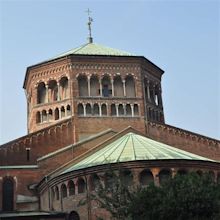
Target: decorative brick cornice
column 186, row 134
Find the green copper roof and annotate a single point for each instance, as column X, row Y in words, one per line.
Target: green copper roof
column 133, row 147
column 94, row 49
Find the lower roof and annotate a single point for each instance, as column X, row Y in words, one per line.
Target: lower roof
column 133, row 147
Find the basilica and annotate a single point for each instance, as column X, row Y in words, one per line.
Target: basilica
column 87, row 108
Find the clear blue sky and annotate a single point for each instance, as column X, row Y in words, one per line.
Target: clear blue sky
column 181, row 37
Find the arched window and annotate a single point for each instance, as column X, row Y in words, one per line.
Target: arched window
column 68, row 110
column 94, row 182
column 94, row 86
column 83, row 85
column 71, row 187
column 50, row 115
column 56, row 113
column 73, row 216
column 104, row 110
column 146, row 177
column 41, row 93
column 57, row 194
column 38, row 118
column 113, row 110
column 106, row 86
column 128, row 110
column 44, row 116
column 80, row 109
column 63, row 191
column 62, row 112
column 64, row 87
column 164, row 175
column 96, row 109
column 118, row 87
column 151, row 87
column 8, row 194
column 127, row 177
column 88, row 109
column 130, row 86
column 121, row 110
column 53, row 90
column 81, row 185
column 136, row 111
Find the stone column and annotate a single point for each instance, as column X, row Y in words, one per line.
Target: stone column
column 132, row 110
column 84, row 109
column 47, row 93
column 60, row 116
column 89, row 86
column 116, row 106
column 113, row 91
column 58, row 91
column 100, row 87
column 148, row 90
column 100, row 109
column 124, row 87
column 41, row 117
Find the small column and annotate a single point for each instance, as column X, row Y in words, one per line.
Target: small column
column 89, row 86
column 58, row 91
column 100, row 87
column 47, row 93
column 132, row 110
column 47, row 116
column 124, row 88
column 41, row 117
column 113, row 91
column 100, row 110
column 148, row 90
column 84, row 109
column 116, row 106
column 60, row 116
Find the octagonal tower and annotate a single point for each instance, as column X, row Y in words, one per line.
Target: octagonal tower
column 97, row 87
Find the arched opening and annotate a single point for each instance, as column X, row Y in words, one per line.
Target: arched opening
column 121, row 110
column 164, row 175
column 88, row 109
column 64, row 87
column 130, row 86
column 57, row 194
column 80, row 109
column 146, row 177
column 136, row 110
column 81, row 185
column 94, row 182
column 127, row 177
column 50, row 115
column 118, row 87
column 73, row 216
column 104, row 109
column 56, row 114
column 62, row 112
column 106, row 86
column 53, row 90
column 96, row 109
column 68, row 110
column 113, row 110
column 128, row 110
column 83, row 85
column 94, row 86
column 8, row 194
column 44, row 116
column 182, row 172
column 151, row 87
column 52, row 194
column 71, row 187
column 218, row 178
column 38, row 118
column 41, row 93
column 63, row 191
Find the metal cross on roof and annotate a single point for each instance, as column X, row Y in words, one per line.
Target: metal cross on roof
column 90, row 20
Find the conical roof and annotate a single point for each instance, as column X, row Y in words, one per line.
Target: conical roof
column 134, row 147
column 94, row 49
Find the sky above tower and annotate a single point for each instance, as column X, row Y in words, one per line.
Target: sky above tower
column 181, row 37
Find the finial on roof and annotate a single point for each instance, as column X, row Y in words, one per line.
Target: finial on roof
column 90, row 20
